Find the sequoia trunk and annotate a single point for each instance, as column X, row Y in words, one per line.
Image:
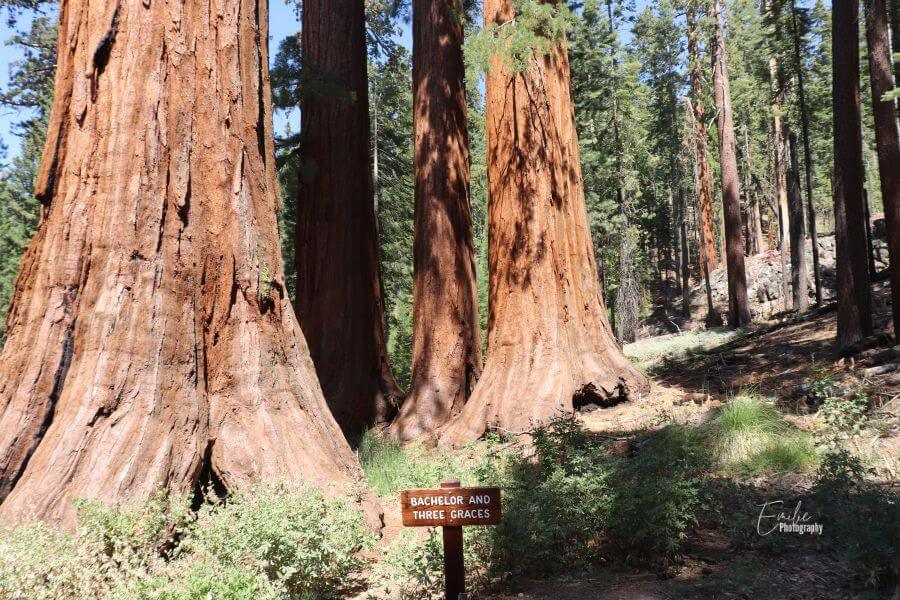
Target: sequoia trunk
column 886, row 138
column 550, row 346
column 339, row 296
column 738, row 308
column 854, row 315
column 446, row 359
column 150, row 336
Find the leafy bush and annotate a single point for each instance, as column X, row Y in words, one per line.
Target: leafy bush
column 414, row 565
column 861, row 520
column 294, row 536
column 657, row 495
column 271, row 541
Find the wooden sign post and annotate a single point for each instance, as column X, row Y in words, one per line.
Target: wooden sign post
column 451, row 507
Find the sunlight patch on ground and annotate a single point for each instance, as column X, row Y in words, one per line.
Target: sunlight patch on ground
column 648, row 351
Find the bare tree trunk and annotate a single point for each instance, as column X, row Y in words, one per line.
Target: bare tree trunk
column 685, row 273
column 807, row 151
column 887, row 140
column 757, row 241
column 798, row 246
column 709, row 259
column 339, row 296
column 151, row 338
column 738, row 308
column 854, row 318
column 550, row 346
column 780, row 175
column 446, row 340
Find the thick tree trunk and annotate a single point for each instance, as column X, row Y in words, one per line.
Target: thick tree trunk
column 886, row 138
column 738, row 308
column 446, row 340
column 799, row 273
column 780, row 176
column 550, row 346
column 807, row 152
column 150, row 337
column 709, row 260
column 854, row 317
column 339, row 296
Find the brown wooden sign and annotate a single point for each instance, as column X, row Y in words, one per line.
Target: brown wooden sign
column 451, row 507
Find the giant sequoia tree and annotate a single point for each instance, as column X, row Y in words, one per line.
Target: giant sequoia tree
column 886, row 137
column 446, row 360
column 854, row 314
column 339, row 295
column 151, row 341
column 738, row 308
column 550, row 345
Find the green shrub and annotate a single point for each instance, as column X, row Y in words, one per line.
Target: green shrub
column 414, row 565
column 861, row 520
column 294, row 536
column 657, row 495
column 271, row 541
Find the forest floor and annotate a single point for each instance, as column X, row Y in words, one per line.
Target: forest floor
column 693, row 375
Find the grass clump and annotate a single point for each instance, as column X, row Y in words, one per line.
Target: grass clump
column 750, row 436
column 390, row 467
column 271, row 542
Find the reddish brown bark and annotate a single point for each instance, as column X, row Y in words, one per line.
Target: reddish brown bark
column 708, row 257
column 150, row 336
column 799, row 270
column 854, row 316
column 886, row 137
column 780, row 177
column 738, row 308
column 339, row 296
column 550, row 345
column 446, row 340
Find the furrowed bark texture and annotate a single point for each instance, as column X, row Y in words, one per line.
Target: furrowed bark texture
column 708, row 257
column 339, row 296
column 549, row 342
column 150, row 336
column 446, row 353
column 738, row 308
column 887, row 140
column 854, row 315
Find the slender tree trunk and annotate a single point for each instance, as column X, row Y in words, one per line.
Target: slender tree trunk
column 550, row 346
column 685, row 272
column 627, row 303
column 738, row 308
column 446, row 340
column 339, row 296
column 886, row 138
column 799, row 273
column 151, row 339
column 757, row 241
column 807, row 151
column 854, row 317
column 709, row 259
column 780, row 174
